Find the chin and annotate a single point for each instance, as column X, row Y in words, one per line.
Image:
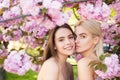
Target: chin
column 70, row 52
column 78, row 51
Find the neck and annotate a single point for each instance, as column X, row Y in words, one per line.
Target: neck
column 62, row 59
column 88, row 52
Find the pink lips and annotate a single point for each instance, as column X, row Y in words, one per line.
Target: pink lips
column 77, row 46
column 69, row 47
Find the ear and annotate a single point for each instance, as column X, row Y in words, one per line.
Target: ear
column 96, row 40
column 55, row 48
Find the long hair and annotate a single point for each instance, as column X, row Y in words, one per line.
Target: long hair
column 49, row 50
column 93, row 27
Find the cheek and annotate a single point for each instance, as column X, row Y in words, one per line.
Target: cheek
column 86, row 42
column 72, row 41
column 59, row 46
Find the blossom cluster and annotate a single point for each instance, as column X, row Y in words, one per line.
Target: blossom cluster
column 113, row 31
column 19, row 62
column 3, row 51
column 113, row 67
column 94, row 11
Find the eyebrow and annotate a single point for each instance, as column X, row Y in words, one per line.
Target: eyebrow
column 82, row 34
column 64, row 37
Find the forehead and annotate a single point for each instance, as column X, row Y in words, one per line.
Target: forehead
column 80, row 30
column 62, row 32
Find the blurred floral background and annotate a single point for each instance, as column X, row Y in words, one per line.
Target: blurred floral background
column 24, row 25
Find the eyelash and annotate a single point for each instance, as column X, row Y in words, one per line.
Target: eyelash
column 82, row 36
column 61, row 40
column 70, row 37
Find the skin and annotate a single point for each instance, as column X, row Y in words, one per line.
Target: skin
column 52, row 69
column 85, row 44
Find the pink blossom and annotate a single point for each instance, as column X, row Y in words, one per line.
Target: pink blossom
column 36, row 67
column 57, row 16
column 108, row 35
column 13, row 12
column 52, row 4
column 5, row 3
column 1, row 37
column 17, row 62
column 12, row 33
column 91, row 11
column 116, row 6
column 3, row 51
column 16, row 10
column 113, row 68
column 78, row 57
column 48, row 24
column 29, row 7
column 29, row 26
column 39, row 31
column 32, row 41
column 117, row 18
column 8, row 15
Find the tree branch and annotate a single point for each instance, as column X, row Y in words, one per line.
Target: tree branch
column 17, row 17
column 75, row 1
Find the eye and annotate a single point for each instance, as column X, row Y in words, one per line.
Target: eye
column 82, row 36
column 71, row 37
column 61, row 40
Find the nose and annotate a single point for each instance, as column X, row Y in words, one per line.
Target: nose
column 76, row 40
column 67, row 41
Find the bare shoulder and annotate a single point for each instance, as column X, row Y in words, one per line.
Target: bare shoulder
column 84, row 62
column 50, row 64
column 84, row 69
column 49, row 70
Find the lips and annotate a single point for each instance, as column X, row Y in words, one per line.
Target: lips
column 77, row 46
column 69, row 48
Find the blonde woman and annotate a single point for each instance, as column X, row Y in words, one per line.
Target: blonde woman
column 89, row 45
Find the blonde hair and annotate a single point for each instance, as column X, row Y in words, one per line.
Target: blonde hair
column 93, row 27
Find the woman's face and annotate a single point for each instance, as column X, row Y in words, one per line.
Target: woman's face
column 84, row 41
column 64, row 41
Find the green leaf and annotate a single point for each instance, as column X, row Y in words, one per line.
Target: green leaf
column 0, row 31
column 104, row 67
column 102, row 57
column 97, row 67
column 1, row 61
column 1, row 46
column 32, row 52
column 93, row 64
column 44, row 10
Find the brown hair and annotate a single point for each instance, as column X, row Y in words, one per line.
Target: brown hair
column 49, row 49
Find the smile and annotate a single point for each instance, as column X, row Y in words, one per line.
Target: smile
column 69, row 48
